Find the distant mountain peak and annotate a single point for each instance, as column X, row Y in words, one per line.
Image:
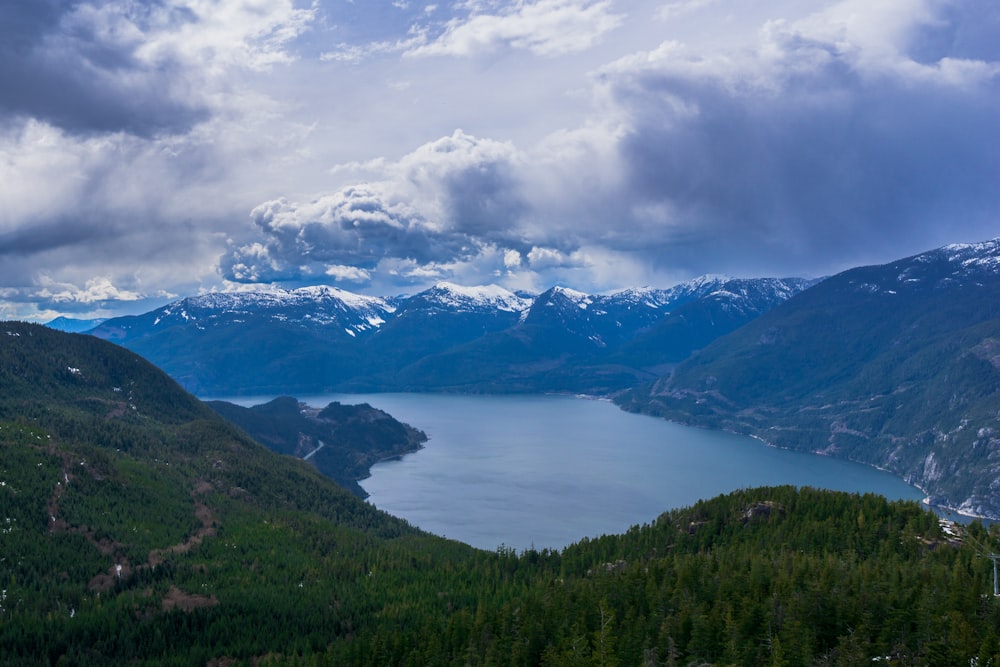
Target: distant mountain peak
column 490, row 296
column 709, row 279
column 448, row 335
column 984, row 255
column 581, row 299
column 277, row 297
column 73, row 325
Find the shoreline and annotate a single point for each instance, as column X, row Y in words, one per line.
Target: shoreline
column 925, row 501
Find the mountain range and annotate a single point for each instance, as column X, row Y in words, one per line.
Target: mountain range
column 140, row 527
column 447, row 338
column 896, row 366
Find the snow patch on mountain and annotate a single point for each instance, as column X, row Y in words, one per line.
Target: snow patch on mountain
column 276, row 298
column 956, row 262
column 580, row 299
column 985, row 253
column 478, row 297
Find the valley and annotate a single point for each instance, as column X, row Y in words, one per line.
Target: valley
column 499, row 333
column 244, row 556
column 890, row 366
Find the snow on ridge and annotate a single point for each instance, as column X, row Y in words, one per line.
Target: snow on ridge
column 650, row 297
column 479, row 295
column 727, row 294
column 276, row 297
column 570, row 293
column 957, row 250
column 582, row 299
column 325, row 305
column 351, row 299
column 966, row 258
column 984, row 255
column 707, row 280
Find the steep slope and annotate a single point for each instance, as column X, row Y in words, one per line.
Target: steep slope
column 342, row 441
column 123, row 497
column 894, row 365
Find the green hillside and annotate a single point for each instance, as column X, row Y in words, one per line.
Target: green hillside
column 342, row 441
column 895, row 366
column 230, row 554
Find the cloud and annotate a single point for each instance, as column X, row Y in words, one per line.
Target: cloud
column 823, row 144
column 672, row 10
column 95, row 290
column 442, row 204
column 827, row 140
column 353, row 274
column 547, row 258
column 543, row 27
column 602, row 148
column 142, row 68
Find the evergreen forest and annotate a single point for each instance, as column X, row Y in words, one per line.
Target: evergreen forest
column 138, row 527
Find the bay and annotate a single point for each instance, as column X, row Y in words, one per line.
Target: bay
column 545, row 471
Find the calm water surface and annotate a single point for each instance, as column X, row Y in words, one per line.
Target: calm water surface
column 546, row 471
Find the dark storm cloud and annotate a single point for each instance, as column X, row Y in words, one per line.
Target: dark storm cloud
column 58, row 67
column 811, row 157
column 483, row 203
column 51, row 235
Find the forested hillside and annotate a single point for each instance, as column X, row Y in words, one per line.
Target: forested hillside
column 139, row 528
column 896, row 366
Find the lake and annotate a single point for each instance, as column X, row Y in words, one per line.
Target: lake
column 546, row 471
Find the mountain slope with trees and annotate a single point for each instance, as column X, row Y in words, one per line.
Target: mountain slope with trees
column 342, row 441
column 896, row 366
column 140, row 528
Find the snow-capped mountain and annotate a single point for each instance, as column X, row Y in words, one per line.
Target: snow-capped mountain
column 318, row 307
column 450, row 297
column 441, row 318
column 446, row 337
column 894, row 365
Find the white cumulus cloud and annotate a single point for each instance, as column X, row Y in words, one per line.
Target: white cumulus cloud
column 544, row 27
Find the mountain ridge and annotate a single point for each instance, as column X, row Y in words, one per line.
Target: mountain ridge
column 312, row 340
column 892, row 365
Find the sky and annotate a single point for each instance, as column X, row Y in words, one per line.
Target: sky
column 157, row 149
